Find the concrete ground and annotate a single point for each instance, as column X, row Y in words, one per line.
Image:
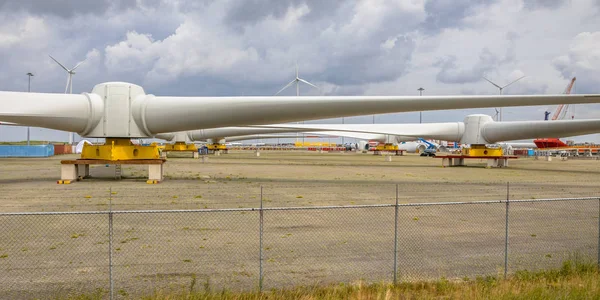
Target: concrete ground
column 62, row 254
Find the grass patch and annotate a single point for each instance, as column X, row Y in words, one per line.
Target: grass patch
column 574, row 280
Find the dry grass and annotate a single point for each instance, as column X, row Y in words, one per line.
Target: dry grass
column 573, row 281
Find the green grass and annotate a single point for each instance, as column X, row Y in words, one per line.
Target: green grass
column 574, row 280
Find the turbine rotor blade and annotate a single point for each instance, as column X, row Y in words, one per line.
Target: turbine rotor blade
column 54, row 59
column 54, row 111
column 304, row 81
column 514, row 81
column 517, row 130
column 68, row 83
column 79, row 64
column 172, row 114
column 285, row 87
column 492, row 83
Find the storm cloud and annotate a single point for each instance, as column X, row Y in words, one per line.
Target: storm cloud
column 373, row 47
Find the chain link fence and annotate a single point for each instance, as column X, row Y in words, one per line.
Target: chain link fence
column 120, row 253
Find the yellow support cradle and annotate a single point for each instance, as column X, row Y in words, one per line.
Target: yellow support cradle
column 482, row 150
column 119, row 149
column 216, row 147
column 386, row 147
column 180, row 146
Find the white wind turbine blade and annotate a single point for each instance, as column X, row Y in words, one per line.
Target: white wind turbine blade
column 304, row 81
column 492, row 83
column 171, row 114
column 54, row 59
column 442, row 131
column 55, row 111
column 285, row 87
column 79, row 64
column 514, row 81
column 151, row 115
column 517, row 130
column 224, row 132
column 68, row 83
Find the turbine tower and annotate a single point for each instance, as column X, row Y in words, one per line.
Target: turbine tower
column 502, row 88
column 69, row 87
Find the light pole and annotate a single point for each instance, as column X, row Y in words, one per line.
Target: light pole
column 420, row 113
column 29, row 75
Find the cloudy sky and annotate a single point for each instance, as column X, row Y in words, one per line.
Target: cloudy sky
column 374, row 47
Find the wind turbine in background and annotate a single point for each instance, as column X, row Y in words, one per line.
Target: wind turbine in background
column 71, row 72
column 69, row 87
column 297, row 81
column 501, row 88
column 495, row 118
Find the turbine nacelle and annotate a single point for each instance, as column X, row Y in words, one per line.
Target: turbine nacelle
column 117, row 111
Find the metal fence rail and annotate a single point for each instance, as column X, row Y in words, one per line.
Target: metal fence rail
column 120, row 253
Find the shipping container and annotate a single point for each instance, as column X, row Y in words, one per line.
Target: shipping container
column 62, row 149
column 26, row 151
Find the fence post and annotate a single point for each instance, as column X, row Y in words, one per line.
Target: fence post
column 396, row 238
column 506, row 231
column 260, row 251
column 598, row 262
column 110, row 242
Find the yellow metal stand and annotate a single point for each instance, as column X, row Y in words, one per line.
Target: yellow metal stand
column 216, row 147
column 181, row 146
column 482, row 150
column 386, row 147
column 314, row 144
column 119, row 149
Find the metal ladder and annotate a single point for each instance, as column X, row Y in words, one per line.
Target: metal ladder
column 118, row 171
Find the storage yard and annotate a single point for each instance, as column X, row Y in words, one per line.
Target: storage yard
column 65, row 254
column 234, row 179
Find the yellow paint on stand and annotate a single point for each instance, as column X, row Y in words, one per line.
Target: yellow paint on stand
column 119, row 149
column 181, row 146
column 216, row 147
column 386, row 147
column 482, row 150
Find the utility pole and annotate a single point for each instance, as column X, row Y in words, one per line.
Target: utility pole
column 29, row 75
column 420, row 113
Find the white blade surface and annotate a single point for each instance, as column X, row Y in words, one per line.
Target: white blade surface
column 285, row 87
column 171, row 114
column 79, row 64
column 226, row 132
column 507, row 131
column 492, row 83
column 68, row 83
column 265, row 136
column 443, row 131
column 55, row 111
column 514, row 81
column 59, row 63
column 302, row 80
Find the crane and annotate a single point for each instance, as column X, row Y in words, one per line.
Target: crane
column 561, row 110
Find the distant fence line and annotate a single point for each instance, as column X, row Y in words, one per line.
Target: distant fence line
column 120, row 253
